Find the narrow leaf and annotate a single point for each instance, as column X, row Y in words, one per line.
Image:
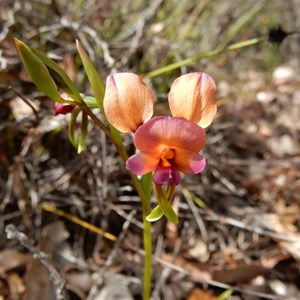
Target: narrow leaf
column 38, row 72
column 93, row 76
column 61, row 78
column 97, row 87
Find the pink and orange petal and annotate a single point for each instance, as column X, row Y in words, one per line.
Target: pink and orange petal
column 128, row 102
column 168, row 145
column 188, row 162
column 141, row 164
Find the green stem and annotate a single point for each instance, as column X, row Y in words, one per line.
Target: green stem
column 148, row 254
column 203, row 55
column 145, row 199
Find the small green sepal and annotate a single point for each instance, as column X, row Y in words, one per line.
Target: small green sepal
column 168, row 211
column 155, row 214
column 165, row 205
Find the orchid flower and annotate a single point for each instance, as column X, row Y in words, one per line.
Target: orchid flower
column 167, row 145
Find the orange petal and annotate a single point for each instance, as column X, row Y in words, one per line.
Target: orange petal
column 128, row 102
column 193, row 96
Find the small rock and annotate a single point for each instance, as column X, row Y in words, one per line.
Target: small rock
column 283, row 74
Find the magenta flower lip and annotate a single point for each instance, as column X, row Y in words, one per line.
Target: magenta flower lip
column 63, row 109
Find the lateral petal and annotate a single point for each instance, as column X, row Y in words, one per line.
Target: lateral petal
column 188, row 162
column 141, row 164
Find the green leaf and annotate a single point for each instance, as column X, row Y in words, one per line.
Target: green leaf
column 60, row 77
column 155, row 215
column 93, row 76
column 203, row 55
column 38, row 72
column 97, row 87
